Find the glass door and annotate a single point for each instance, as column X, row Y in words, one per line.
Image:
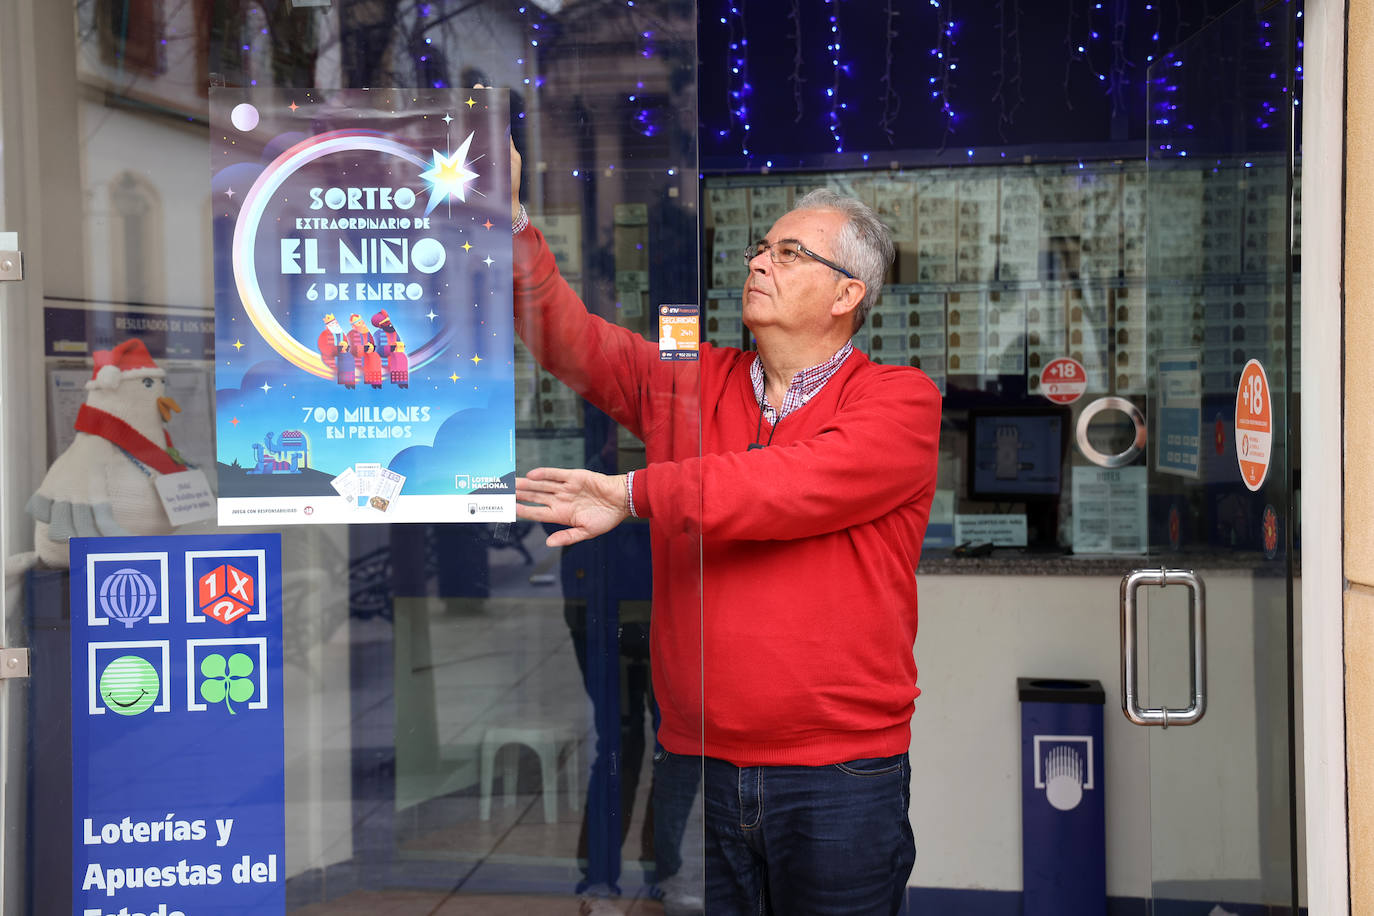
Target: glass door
column 1209, row 626
column 469, row 719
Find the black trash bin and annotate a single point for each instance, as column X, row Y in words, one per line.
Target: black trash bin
column 1063, row 821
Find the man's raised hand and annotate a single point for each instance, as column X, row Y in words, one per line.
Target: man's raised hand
column 514, row 174
column 589, row 503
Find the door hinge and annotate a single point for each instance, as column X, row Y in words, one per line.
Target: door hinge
column 11, row 265
column 11, row 258
column 14, row 663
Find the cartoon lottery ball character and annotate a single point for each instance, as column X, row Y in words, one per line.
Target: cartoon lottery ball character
column 129, row 685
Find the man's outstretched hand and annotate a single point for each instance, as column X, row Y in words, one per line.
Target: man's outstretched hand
column 589, row 503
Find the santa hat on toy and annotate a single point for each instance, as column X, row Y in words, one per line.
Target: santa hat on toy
column 128, row 360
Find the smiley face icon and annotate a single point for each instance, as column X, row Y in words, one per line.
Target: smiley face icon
column 129, row 685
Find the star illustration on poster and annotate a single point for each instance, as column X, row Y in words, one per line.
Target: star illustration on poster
column 448, row 176
column 363, row 305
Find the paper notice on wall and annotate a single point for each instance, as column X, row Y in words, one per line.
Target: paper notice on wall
column 999, row 529
column 1109, row 510
column 1178, row 418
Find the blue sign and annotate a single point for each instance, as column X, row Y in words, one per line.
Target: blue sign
column 178, row 754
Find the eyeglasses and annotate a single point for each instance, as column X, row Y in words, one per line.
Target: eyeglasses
column 785, row 251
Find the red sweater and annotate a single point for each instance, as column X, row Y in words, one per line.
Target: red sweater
column 784, row 610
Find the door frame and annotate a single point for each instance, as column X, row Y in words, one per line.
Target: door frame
column 1322, row 717
column 21, row 211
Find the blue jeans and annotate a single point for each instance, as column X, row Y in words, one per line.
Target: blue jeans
column 802, row 841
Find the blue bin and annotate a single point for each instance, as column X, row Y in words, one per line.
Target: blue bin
column 1063, row 819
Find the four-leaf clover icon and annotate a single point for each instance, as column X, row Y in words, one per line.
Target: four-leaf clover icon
column 225, row 681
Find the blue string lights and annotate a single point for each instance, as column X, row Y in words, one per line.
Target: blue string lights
column 643, row 116
column 737, row 56
column 1152, row 6
column 838, row 69
column 1165, row 107
column 946, row 63
column 1297, row 70
column 1078, row 50
column 1267, row 110
column 837, row 76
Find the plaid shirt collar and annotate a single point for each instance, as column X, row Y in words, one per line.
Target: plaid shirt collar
column 805, row 384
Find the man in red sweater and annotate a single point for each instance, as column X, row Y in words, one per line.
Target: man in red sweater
column 787, row 493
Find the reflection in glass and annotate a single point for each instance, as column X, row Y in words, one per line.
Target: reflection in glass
column 469, row 712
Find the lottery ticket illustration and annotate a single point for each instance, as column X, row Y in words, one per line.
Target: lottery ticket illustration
column 368, row 473
column 347, row 485
column 389, row 484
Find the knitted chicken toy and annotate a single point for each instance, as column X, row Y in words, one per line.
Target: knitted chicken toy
column 102, row 485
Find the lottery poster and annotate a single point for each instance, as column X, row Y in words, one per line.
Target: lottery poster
column 364, row 344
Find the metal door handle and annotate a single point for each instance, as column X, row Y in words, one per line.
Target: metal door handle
column 1197, row 641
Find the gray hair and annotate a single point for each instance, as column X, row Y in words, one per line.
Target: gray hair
column 863, row 247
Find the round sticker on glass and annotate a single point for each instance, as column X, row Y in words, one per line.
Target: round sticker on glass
column 1254, row 425
column 1064, row 380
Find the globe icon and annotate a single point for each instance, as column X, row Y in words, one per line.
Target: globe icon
column 128, row 595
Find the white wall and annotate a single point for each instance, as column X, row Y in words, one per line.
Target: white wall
column 979, row 633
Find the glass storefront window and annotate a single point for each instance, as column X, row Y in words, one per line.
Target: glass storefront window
column 469, row 713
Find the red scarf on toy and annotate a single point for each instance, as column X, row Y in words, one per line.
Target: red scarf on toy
column 107, row 426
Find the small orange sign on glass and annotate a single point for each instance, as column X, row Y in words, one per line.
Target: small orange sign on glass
column 1254, row 425
column 679, row 331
